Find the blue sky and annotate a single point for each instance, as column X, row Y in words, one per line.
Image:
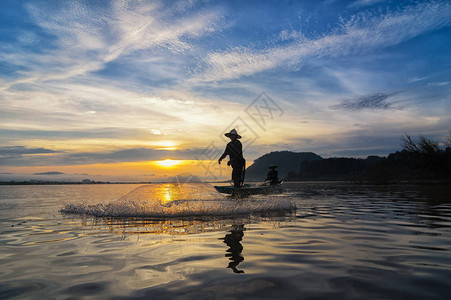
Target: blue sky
column 104, row 82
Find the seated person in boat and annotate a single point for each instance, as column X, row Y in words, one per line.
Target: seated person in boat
column 273, row 175
column 234, row 150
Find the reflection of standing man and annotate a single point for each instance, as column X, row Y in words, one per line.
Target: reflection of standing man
column 232, row 240
column 234, row 150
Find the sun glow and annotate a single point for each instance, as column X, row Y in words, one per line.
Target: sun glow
column 168, row 163
column 166, row 145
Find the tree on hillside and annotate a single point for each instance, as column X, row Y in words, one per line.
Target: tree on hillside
column 427, row 157
column 448, row 140
column 421, row 159
column 422, row 145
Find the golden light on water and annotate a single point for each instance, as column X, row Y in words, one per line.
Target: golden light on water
column 168, row 163
column 169, row 192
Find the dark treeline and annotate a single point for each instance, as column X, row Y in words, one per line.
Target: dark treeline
column 420, row 160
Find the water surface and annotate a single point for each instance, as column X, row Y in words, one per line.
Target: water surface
column 342, row 242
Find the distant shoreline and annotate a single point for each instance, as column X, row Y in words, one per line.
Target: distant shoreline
column 65, row 182
column 346, row 182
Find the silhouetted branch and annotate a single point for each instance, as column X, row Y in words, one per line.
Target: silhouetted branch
column 448, row 139
column 423, row 145
column 408, row 144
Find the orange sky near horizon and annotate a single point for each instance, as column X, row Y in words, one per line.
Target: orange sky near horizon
column 158, row 170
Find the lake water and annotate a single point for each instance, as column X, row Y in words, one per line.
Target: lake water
column 342, row 242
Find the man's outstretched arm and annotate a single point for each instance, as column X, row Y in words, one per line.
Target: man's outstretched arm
column 222, row 156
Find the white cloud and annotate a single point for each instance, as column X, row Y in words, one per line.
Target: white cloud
column 442, row 83
column 361, row 33
column 362, row 3
column 155, row 132
column 56, row 89
column 88, row 37
column 286, row 35
column 415, row 79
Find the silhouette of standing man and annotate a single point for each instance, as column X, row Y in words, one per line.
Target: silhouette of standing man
column 234, row 150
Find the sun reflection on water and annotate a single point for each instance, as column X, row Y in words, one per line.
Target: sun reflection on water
column 169, row 192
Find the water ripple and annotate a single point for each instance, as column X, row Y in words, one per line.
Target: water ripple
column 343, row 242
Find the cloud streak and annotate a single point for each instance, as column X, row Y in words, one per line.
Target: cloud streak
column 15, row 151
column 362, row 3
column 99, row 157
column 87, row 37
column 377, row 101
column 49, row 173
column 361, row 33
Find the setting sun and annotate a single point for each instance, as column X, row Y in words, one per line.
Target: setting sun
column 168, row 163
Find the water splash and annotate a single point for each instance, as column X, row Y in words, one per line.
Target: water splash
column 178, row 200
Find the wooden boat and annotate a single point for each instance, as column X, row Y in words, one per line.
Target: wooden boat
column 247, row 190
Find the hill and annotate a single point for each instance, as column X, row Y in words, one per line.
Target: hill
column 286, row 161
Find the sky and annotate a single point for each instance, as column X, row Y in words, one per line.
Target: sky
column 145, row 90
